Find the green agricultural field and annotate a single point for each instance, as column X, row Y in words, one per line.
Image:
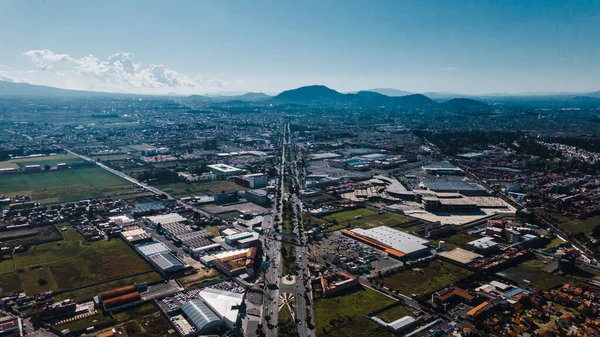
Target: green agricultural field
column 585, row 226
column 89, row 292
column 344, row 314
column 45, row 160
column 69, row 263
column 367, row 219
column 63, row 185
column 436, row 275
column 184, row 189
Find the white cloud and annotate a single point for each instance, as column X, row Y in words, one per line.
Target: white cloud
column 7, row 78
column 119, row 72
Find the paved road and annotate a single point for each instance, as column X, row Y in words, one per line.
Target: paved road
column 273, row 249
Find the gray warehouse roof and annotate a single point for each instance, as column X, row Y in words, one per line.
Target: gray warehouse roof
column 200, row 315
column 152, row 248
column 166, row 262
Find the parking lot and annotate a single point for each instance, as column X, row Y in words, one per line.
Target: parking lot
column 353, row 256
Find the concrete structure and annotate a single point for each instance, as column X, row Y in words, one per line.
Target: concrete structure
column 256, row 180
column 335, row 282
column 460, row 256
column 258, row 197
column 224, row 170
column 243, row 239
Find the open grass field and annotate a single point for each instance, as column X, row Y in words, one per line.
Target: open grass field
column 394, row 313
column 184, row 189
column 367, row 219
column 89, row 292
column 585, row 226
column 30, row 236
column 436, row 275
column 152, row 325
column 344, row 314
column 457, row 239
column 69, row 263
column 45, row 160
column 84, row 322
column 554, row 242
column 63, row 185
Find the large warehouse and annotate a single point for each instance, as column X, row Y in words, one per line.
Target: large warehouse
column 396, row 243
column 201, row 316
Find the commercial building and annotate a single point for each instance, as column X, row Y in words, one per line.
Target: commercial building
column 336, row 282
column 166, row 263
column 456, row 186
column 256, row 180
column 396, row 243
column 460, row 256
column 243, row 239
column 151, row 248
column 201, row 316
column 164, row 219
column 225, row 304
column 486, row 245
column 224, row 170
column 258, row 197
column 135, row 235
column 442, row 168
column 11, row 326
column 233, row 262
column 121, row 298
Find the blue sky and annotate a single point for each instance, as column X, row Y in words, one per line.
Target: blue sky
column 206, row 46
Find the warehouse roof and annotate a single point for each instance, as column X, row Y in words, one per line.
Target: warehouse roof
column 152, row 248
column 483, row 243
column 166, row 218
column 460, row 185
column 166, row 262
column 444, row 165
column 224, row 303
column 401, row 322
column 201, row 316
column 223, row 168
column 398, row 240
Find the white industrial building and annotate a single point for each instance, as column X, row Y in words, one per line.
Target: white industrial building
column 224, row 303
column 224, row 170
column 201, row 316
column 411, row 245
column 164, row 219
column 485, row 245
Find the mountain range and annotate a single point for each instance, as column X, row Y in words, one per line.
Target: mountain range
column 318, row 94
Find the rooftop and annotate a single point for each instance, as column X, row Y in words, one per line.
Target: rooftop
column 394, row 238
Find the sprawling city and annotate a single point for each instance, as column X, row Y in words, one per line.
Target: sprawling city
column 307, row 211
